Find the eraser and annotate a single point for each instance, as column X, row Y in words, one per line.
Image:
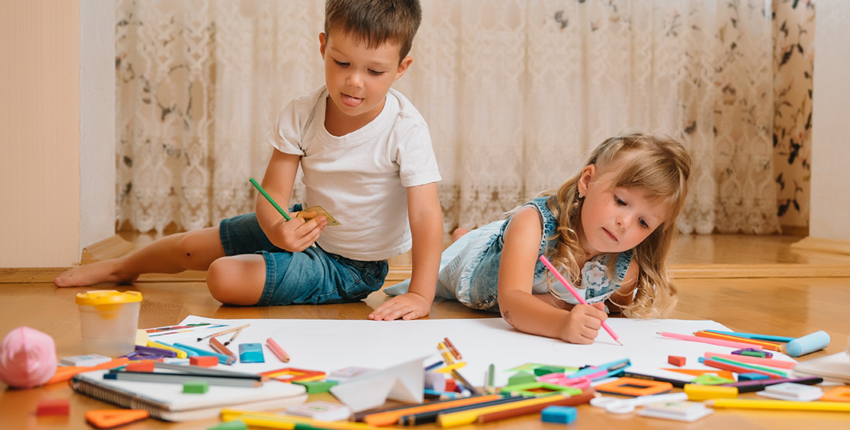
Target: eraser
column 751, row 377
column 679, row 411
column 559, row 414
column 84, row 360
column 53, row 407
column 230, row 425
column 807, row 344
column 140, row 366
column 676, row 360
column 204, row 360
column 314, row 387
column 793, row 392
column 196, row 387
column 251, row 353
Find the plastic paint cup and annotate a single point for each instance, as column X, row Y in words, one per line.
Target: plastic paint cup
column 108, row 320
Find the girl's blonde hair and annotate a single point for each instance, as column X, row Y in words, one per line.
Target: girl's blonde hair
column 659, row 165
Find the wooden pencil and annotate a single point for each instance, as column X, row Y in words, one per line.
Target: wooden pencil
column 584, row 397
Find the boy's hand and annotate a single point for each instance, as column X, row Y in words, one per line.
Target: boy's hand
column 406, row 306
column 297, row 234
column 583, row 323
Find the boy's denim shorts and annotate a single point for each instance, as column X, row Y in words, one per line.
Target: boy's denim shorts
column 312, row 276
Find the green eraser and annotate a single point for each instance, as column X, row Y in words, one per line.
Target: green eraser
column 314, row 387
column 195, row 387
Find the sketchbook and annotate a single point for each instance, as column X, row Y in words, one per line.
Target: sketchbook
column 330, row 345
column 834, row 367
column 167, row 401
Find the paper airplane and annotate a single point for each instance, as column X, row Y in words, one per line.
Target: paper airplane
column 403, row 382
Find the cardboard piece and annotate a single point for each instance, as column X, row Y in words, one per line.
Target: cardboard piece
column 403, row 382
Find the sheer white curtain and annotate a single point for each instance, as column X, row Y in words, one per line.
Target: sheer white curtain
column 515, row 93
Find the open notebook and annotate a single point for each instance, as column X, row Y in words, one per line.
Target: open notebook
column 167, row 401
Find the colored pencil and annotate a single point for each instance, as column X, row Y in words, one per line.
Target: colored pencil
column 179, row 378
column 277, row 350
column 452, row 348
column 747, row 365
column 676, row 382
column 756, row 336
column 779, row 404
column 220, row 348
column 222, row 358
column 428, row 417
column 230, row 330
column 434, row 366
column 754, row 360
column 737, row 369
column 531, row 409
column 717, row 342
column 753, row 386
column 470, row 416
column 269, row 198
column 196, row 370
column 272, row 420
column 464, row 382
column 770, row 346
column 64, row 373
column 444, row 351
column 390, row 417
column 575, row 293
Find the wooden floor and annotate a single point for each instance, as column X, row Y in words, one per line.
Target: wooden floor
column 748, row 283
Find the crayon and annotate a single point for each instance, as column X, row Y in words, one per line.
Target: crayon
column 452, row 348
column 277, row 350
column 779, row 404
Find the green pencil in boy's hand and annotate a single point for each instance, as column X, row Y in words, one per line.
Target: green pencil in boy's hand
column 269, row 198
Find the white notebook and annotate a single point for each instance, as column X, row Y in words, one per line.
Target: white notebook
column 835, row 367
column 167, row 401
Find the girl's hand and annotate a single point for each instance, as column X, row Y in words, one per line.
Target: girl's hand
column 583, row 323
column 297, row 234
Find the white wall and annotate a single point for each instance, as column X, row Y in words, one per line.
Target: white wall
column 830, row 202
column 56, row 119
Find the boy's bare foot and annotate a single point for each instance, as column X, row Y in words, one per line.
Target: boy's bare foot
column 91, row 274
column 458, row 233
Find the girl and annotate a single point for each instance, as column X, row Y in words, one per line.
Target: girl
column 608, row 228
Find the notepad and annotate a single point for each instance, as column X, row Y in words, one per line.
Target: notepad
column 167, row 401
column 835, row 367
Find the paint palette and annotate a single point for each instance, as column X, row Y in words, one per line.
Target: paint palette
column 678, row 411
column 792, row 391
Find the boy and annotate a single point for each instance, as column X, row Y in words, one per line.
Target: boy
column 364, row 151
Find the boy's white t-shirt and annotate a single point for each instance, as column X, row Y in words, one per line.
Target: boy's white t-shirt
column 360, row 178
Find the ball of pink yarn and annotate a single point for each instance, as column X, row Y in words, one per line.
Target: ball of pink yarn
column 27, row 358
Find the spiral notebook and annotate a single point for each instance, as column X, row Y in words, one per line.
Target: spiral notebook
column 167, row 401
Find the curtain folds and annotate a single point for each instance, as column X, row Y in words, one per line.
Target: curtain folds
column 515, row 93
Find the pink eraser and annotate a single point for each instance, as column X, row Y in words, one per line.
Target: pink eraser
column 27, row 358
column 53, row 407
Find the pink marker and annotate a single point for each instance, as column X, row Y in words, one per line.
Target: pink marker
column 575, row 294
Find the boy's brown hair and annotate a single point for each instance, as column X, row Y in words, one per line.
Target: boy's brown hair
column 375, row 21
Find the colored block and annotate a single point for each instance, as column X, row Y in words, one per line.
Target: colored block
column 203, row 361
column 195, row 387
column 140, row 366
column 559, row 414
column 521, row 378
column 53, row 407
column 676, row 360
column 314, row 387
column 751, row 377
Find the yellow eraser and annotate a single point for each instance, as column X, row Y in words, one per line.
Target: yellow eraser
column 707, row 392
column 142, row 338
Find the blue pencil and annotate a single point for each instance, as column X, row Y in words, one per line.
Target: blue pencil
column 755, row 336
column 222, row 359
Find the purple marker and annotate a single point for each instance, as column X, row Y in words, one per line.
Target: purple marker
column 759, row 385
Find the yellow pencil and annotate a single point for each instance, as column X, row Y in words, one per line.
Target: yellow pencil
column 450, row 367
column 277, row 421
column 779, row 404
column 180, row 352
column 468, row 417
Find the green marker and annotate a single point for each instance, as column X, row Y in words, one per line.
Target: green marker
column 269, row 198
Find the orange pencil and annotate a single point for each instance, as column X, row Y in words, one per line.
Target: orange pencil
column 220, row 348
column 452, row 348
column 277, row 350
column 64, row 373
column 770, row 346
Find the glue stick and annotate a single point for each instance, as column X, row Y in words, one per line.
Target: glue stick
column 807, row 344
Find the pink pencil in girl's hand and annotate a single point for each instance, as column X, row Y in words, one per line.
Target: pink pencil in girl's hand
column 575, row 293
